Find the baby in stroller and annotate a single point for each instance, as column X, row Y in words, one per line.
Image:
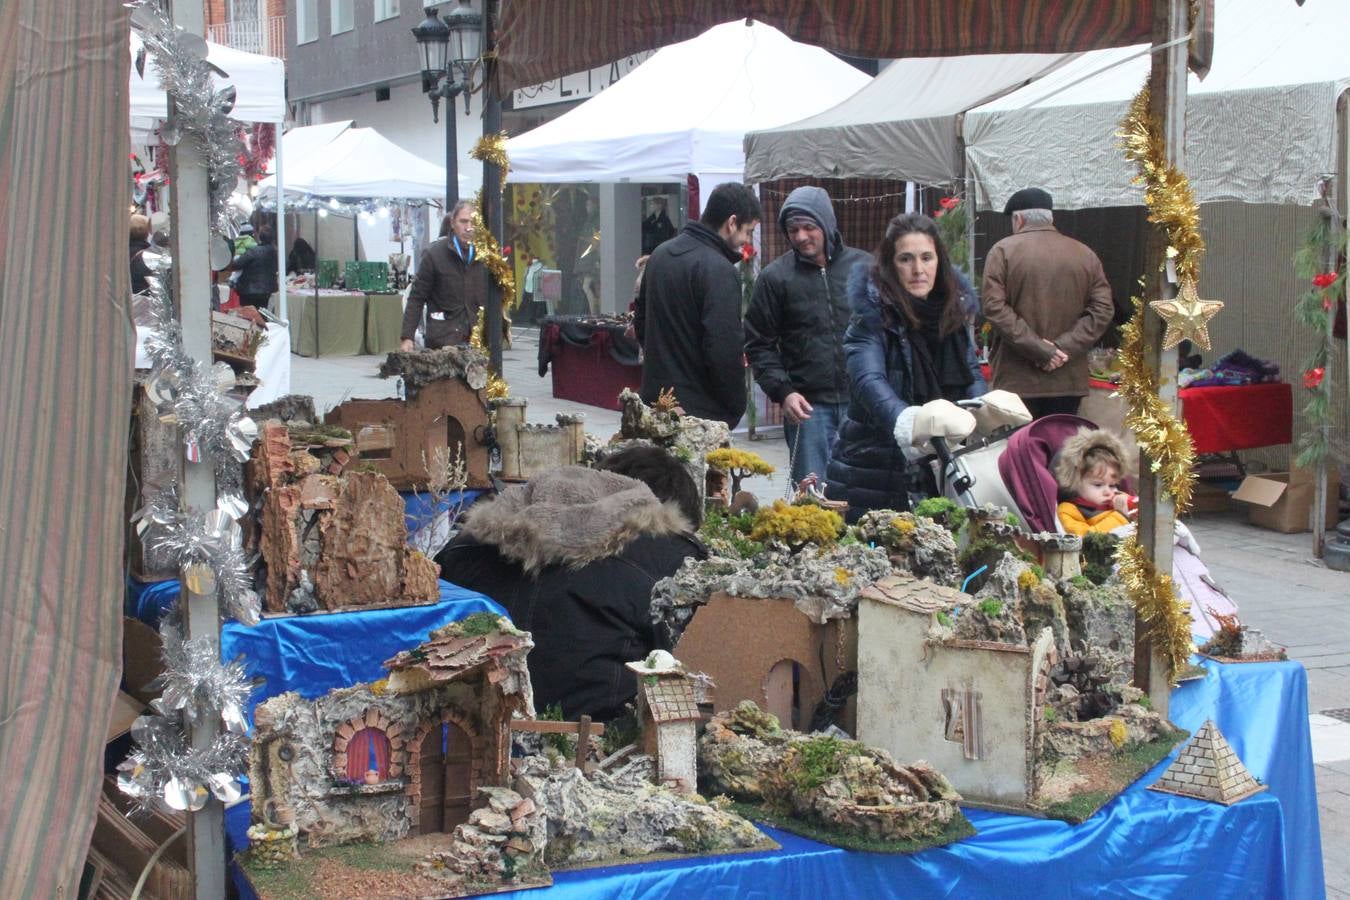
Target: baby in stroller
column 1017, row 469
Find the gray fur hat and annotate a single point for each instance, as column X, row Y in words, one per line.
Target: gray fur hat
column 1068, row 462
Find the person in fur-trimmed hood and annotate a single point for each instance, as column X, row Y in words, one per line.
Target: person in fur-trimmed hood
column 1088, row 470
column 573, row 556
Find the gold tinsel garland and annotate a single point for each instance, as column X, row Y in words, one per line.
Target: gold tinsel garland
column 491, row 148
column 1167, row 192
column 1166, row 618
column 1160, row 434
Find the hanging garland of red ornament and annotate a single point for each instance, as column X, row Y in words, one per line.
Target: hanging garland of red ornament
column 1316, row 309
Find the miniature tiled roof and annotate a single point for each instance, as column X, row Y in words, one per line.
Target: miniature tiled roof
column 670, row 700
column 917, row 594
column 448, row 656
column 1208, row 769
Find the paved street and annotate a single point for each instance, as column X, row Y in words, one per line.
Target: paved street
column 1272, row 577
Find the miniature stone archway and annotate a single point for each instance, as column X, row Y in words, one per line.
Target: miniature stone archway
column 452, row 761
column 445, row 435
column 786, row 684
column 375, row 720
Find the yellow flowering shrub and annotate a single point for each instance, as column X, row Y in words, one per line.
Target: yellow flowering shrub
column 1027, row 580
column 1116, row 732
column 797, row 525
column 739, row 464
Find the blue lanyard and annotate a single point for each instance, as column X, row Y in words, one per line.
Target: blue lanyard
column 460, row 250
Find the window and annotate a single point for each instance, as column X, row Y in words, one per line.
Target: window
column 341, row 14
column 306, row 21
column 385, row 9
column 368, row 751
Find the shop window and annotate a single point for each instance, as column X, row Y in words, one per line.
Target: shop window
column 367, row 751
column 306, row 21
column 385, row 9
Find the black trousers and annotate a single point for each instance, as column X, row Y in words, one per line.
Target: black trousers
column 1049, row 406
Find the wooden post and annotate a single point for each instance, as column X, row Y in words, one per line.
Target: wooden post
column 1167, row 102
column 492, row 184
column 583, row 742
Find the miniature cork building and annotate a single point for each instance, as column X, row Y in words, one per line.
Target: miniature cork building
column 445, row 414
column 528, row 450
column 331, row 541
column 1208, row 769
column 402, row 757
column 668, row 714
column 768, row 651
column 969, row 708
column 1061, row 554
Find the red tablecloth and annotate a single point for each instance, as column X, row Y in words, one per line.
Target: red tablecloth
column 591, row 375
column 1222, row 419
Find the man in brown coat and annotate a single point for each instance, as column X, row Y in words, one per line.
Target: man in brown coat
column 1048, row 301
column 451, row 284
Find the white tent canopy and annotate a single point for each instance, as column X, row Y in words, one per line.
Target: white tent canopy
column 686, row 110
column 1260, row 128
column 307, row 140
column 359, row 163
column 259, row 83
column 903, row 125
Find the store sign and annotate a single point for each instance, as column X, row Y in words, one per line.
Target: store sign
column 577, row 87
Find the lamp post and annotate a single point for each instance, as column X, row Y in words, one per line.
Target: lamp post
column 450, row 47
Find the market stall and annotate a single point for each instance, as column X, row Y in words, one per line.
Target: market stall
column 329, row 322
column 593, row 359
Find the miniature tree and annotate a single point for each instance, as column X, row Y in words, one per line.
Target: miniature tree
column 797, row 526
column 738, row 464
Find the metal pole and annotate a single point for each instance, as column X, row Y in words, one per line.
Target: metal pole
column 191, row 237
column 1167, row 97
column 451, row 153
column 282, row 310
column 492, row 183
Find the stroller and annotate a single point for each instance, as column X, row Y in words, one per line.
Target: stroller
column 1012, row 467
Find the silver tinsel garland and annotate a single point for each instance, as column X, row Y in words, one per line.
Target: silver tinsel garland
column 208, row 549
column 197, row 110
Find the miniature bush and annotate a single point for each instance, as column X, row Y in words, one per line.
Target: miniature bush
column 481, row 623
column 944, row 618
column 728, row 534
column 1026, row 579
column 1082, row 582
column 1049, row 714
column 739, row 464
column 1117, row 733
column 558, row 742
column 811, row 763
column 943, row 511
column 991, row 607
column 797, row 526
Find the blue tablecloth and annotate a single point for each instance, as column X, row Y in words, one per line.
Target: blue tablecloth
column 315, row 653
column 1142, row 844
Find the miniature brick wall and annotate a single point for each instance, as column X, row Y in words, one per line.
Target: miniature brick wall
column 372, row 718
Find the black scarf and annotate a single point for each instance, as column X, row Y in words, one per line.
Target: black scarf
column 940, row 370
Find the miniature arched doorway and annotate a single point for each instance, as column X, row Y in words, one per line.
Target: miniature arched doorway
column 368, row 751
column 446, row 767
column 783, row 691
column 444, row 441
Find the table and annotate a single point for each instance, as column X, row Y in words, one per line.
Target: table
column 1238, row 417
column 331, row 324
column 384, row 322
column 1142, row 844
column 592, row 359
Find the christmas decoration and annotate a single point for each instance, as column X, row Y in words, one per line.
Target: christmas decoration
column 1165, row 616
column 1312, row 379
column 1187, row 317
column 199, row 112
column 1316, row 309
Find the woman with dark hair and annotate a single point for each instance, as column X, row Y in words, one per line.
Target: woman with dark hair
column 910, row 352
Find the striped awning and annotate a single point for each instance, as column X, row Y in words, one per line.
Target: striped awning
column 539, row 40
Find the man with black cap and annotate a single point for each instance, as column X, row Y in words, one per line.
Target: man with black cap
column 794, row 328
column 1048, row 301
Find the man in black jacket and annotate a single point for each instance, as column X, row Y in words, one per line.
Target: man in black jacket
column 688, row 316
column 451, row 285
column 257, row 268
column 794, row 328
column 573, row 556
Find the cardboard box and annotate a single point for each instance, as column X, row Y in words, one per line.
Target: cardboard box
column 1282, row 501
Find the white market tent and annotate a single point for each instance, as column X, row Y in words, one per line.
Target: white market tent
column 359, row 163
column 306, row 140
column 1260, row 127
column 686, row 110
column 259, row 83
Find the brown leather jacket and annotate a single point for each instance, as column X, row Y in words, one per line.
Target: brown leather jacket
column 1040, row 285
column 451, row 290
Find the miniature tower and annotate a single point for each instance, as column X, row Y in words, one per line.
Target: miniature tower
column 1061, row 554
column 668, row 713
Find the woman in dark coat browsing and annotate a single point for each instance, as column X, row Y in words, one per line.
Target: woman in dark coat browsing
column 910, row 353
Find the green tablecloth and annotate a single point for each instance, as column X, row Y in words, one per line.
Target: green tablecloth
column 384, row 321
column 337, row 325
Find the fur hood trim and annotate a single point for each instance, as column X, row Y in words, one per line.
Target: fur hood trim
column 571, row 516
column 1070, row 457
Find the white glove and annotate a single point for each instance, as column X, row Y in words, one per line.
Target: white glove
column 999, row 409
column 915, row 427
column 1184, row 538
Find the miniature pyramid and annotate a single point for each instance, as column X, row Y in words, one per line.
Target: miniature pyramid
column 1208, row 769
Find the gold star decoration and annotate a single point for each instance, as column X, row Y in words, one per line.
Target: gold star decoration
column 1187, row 317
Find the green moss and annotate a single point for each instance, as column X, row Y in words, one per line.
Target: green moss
column 814, row 761
column 1049, row 714
column 1081, row 581
column 1124, row 767
column 1099, row 555
column 943, row 511
column 478, row 624
column 944, row 618
column 1013, row 519
column 724, row 530
column 620, row 732
column 956, row 829
column 559, row 742
column 991, row 607
column 1037, row 571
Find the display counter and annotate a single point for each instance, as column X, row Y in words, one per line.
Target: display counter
column 592, row 359
column 343, row 323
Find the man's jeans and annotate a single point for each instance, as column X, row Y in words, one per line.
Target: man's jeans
column 809, row 443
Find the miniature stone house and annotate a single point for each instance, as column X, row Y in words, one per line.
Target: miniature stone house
column 969, row 708
column 1061, row 554
column 528, row 450
column 768, row 651
column 668, row 715
column 406, row 756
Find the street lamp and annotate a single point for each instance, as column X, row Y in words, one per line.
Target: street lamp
column 450, row 48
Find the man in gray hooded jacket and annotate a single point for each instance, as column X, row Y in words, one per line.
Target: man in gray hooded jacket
column 794, row 328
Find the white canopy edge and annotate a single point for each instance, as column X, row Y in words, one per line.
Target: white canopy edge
column 259, row 83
